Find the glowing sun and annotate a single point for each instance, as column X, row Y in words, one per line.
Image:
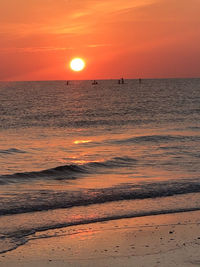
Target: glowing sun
column 77, row 64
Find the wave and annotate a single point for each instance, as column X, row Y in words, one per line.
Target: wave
column 157, row 138
column 67, row 172
column 51, row 200
column 11, row 151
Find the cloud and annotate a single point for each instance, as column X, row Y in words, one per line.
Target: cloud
column 98, row 45
column 33, row 49
column 26, row 17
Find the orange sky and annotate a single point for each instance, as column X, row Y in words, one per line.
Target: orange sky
column 130, row 38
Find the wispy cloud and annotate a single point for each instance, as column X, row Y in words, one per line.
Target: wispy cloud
column 32, row 29
column 33, row 49
column 112, row 6
column 46, row 48
column 98, row 45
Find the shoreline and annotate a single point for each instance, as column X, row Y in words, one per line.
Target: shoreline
column 158, row 240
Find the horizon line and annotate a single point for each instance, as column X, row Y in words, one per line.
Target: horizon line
column 198, row 77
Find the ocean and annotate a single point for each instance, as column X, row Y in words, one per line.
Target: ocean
column 82, row 153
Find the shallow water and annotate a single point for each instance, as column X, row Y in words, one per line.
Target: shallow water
column 96, row 152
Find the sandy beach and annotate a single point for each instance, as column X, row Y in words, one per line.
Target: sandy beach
column 161, row 240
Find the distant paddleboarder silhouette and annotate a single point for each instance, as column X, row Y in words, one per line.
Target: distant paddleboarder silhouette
column 94, row 82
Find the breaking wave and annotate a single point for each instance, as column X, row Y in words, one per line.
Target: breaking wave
column 67, row 172
column 48, row 199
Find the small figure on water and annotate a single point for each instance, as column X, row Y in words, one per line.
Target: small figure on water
column 140, row 80
column 122, row 80
column 67, row 82
column 119, row 81
column 94, row 82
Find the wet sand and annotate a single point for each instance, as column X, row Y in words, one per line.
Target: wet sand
column 161, row 240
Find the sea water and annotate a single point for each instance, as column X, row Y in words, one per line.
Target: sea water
column 80, row 153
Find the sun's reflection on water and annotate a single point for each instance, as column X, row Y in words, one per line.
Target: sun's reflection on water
column 76, row 142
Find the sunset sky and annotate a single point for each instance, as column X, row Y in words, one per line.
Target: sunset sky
column 129, row 38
